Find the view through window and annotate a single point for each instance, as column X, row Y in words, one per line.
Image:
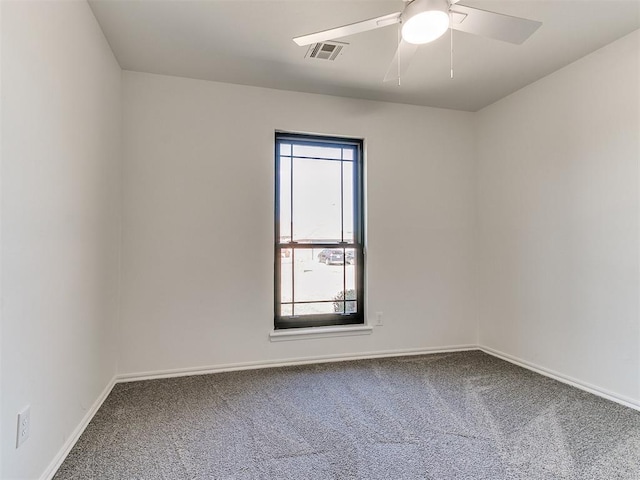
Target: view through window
column 319, row 268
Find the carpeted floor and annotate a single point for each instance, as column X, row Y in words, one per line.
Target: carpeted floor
column 457, row 416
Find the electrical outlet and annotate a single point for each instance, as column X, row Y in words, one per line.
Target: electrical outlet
column 379, row 322
column 24, row 425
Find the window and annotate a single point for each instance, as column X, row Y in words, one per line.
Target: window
column 319, row 267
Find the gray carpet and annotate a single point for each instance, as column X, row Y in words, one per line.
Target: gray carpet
column 451, row 416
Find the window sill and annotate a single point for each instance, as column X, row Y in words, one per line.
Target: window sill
column 319, row 332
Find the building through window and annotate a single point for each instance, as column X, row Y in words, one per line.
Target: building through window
column 319, row 255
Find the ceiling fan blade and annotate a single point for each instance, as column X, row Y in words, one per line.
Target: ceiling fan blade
column 401, row 60
column 347, row 30
column 493, row 25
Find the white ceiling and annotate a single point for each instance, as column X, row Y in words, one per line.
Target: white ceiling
column 250, row 43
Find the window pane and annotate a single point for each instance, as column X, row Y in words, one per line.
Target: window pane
column 350, row 293
column 286, row 272
column 285, row 149
column 316, row 201
column 317, row 152
column 319, row 277
column 313, row 308
column 285, row 200
column 347, row 154
column 352, row 307
column 348, row 206
column 286, row 310
column 350, row 274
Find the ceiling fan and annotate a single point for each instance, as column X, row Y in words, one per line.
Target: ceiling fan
column 423, row 21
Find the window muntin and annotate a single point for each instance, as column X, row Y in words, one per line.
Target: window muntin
column 319, row 267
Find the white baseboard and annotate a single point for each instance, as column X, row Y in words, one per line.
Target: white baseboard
column 600, row 392
column 231, row 367
column 75, row 435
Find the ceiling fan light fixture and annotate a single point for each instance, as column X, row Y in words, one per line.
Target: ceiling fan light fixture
column 424, row 21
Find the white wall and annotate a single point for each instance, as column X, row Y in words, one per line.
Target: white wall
column 198, row 222
column 61, row 153
column 1, row 395
column 558, row 199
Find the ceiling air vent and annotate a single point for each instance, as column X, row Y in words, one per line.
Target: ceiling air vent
column 325, row 50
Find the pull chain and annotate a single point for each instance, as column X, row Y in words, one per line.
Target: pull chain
column 451, row 30
column 399, row 52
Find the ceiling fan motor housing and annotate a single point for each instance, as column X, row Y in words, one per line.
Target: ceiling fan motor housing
column 425, row 20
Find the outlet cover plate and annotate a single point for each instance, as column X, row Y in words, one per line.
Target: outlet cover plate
column 24, row 425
